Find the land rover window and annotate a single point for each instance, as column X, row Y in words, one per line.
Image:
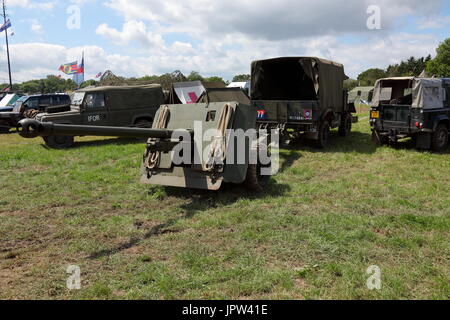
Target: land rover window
column 94, row 101
column 63, row 100
column 45, row 101
column 78, row 98
column 32, row 103
column 447, row 94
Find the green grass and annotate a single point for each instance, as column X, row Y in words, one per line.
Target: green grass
column 325, row 218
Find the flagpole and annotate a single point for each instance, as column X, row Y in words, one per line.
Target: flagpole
column 83, row 66
column 7, row 45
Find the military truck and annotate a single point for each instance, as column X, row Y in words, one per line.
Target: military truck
column 301, row 96
column 411, row 107
column 34, row 103
column 189, row 145
column 124, row 106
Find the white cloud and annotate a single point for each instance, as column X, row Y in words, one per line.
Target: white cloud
column 222, row 38
column 131, row 31
column 274, row 20
column 215, row 57
column 434, row 22
column 36, row 27
column 29, row 4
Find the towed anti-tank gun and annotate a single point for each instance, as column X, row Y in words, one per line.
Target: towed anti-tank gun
column 192, row 146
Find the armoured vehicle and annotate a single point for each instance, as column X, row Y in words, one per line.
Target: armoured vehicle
column 301, row 95
column 124, row 106
column 191, row 145
column 411, row 107
column 33, row 103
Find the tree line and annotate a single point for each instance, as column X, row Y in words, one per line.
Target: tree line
column 439, row 67
column 52, row 83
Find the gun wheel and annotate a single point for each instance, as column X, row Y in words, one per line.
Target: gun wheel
column 59, row 142
column 255, row 180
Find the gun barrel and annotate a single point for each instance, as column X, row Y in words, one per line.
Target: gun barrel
column 31, row 128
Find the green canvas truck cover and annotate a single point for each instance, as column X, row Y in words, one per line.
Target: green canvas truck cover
column 124, row 97
column 224, row 95
column 299, row 78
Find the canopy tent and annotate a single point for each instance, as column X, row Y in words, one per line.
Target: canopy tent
column 299, row 78
column 9, row 99
column 420, row 93
column 241, row 84
column 363, row 93
column 190, row 92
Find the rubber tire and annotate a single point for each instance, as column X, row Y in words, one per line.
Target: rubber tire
column 439, row 140
column 59, row 142
column 380, row 142
column 324, row 135
column 346, row 126
column 143, row 123
column 254, row 180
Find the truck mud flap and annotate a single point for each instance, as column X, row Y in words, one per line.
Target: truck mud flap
column 423, row 141
column 311, row 135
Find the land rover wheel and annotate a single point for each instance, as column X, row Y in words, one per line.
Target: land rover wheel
column 255, row 180
column 439, row 140
column 143, row 123
column 4, row 129
column 324, row 135
column 346, row 126
column 59, row 142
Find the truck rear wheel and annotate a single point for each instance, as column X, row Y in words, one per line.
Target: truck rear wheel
column 439, row 140
column 59, row 142
column 346, row 126
column 324, row 135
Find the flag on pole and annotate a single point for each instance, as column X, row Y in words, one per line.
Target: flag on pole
column 78, row 76
column 69, row 68
column 99, row 75
column 5, row 26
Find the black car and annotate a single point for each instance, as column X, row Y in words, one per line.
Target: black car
column 40, row 103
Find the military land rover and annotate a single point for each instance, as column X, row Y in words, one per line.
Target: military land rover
column 33, row 104
column 411, row 107
column 124, row 106
column 301, row 96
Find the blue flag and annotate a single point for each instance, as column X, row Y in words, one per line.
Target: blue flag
column 5, row 26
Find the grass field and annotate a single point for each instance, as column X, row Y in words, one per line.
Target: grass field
column 325, row 218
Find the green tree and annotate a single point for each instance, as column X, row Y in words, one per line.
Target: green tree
column 195, row 76
column 349, row 84
column 241, row 77
column 440, row 65
column 214, row 79
column 368, row 77
column 88, row 83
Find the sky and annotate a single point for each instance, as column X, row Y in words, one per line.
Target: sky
column 215, row 37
